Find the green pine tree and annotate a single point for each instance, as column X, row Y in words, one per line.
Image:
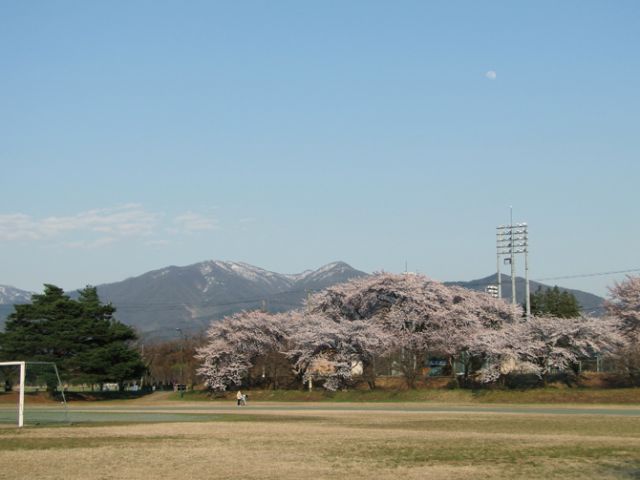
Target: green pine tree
column 81, row 336
column 553, row 301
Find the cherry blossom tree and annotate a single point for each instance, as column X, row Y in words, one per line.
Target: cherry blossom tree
column 492, row 353
column 626, row 359
column 544, row 344
column 421, row 317
column 625, row 304
column 338, row 345
column 235, row 343
column 368, row 297
column 409, row 318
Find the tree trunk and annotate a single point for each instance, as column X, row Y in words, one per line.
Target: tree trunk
column 369, row 373
column 411, row 364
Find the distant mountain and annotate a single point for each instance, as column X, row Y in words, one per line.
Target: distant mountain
column 189, row 298
column 590, row 304
column 11, row 295
column 8, row 297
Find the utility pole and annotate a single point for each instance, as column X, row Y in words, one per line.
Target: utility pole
column 512, row 261
column 511, row 240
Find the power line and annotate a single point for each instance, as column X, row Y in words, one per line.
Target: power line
column 486, row 282
column 585, row 275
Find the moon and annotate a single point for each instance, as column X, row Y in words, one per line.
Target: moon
column 491, row 75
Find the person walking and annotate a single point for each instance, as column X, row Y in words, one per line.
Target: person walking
column 239, row 397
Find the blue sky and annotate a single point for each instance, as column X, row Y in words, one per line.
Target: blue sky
column 141, row 134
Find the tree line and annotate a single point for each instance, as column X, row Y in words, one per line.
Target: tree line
column 344, row 332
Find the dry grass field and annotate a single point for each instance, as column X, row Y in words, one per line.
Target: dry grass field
column 350, row 443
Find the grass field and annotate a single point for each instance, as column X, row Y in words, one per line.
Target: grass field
column 620, row 396
column 157, row 438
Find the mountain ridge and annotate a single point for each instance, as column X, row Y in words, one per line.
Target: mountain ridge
column 188, row 298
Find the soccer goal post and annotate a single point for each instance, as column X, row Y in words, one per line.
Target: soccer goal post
column 31, row 379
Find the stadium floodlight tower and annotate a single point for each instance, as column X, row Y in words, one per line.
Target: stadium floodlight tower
column 511, row 240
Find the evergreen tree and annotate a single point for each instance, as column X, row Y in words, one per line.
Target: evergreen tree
column 81, row 336
column 554, row 302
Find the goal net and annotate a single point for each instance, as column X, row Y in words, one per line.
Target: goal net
column 31, row 393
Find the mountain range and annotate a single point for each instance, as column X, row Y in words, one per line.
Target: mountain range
column 160, row 302
column 176, row 300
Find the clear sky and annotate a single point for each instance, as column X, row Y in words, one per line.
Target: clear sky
column 287, row 134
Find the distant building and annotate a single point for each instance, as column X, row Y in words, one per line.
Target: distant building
column 492, row 290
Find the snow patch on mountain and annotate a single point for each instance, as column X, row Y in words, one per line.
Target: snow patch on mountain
column 298, row 276
column 251, row 273
column 160, row 273
column 207, row 272
column 206, row 268
column 10, row 295
column 330, row 270
column 334, row 267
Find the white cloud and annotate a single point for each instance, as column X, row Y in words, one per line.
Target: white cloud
column 491, row 75
column 194, row 222
column 91, row 244
column 157, row 243
column 18, row 226
column 118, row 222
column 100, row 227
